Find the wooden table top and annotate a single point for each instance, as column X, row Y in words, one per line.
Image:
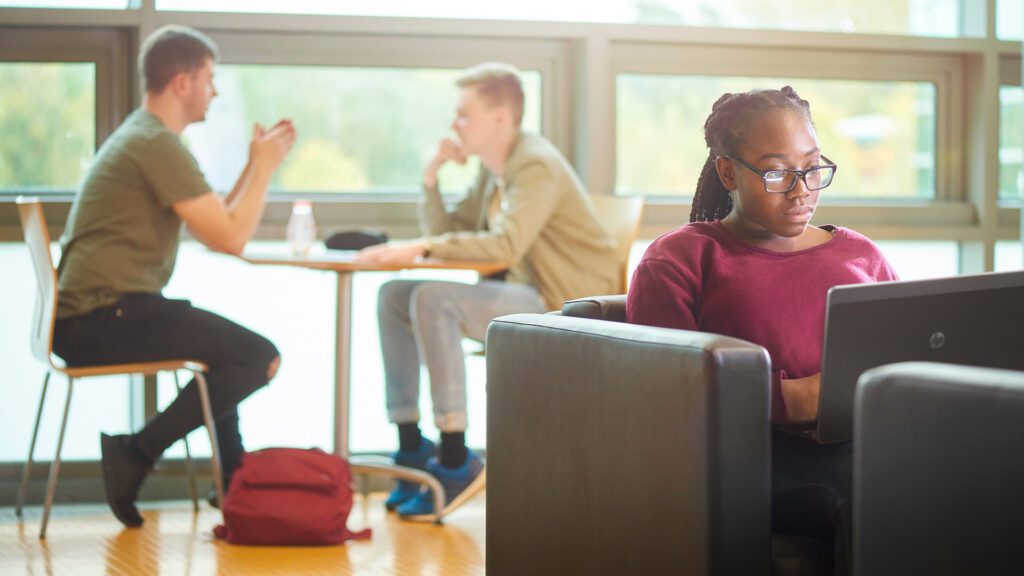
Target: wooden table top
column 344, row 261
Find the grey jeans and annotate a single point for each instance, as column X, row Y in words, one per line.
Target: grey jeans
column 425, row 321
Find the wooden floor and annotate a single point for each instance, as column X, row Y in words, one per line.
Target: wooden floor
column 88, row 540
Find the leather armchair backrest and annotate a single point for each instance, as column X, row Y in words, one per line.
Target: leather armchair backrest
column 624, row 449
column 938, row 470
column 611, row 308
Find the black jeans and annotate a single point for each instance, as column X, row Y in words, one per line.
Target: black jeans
column 148, row 328
column 812, row 492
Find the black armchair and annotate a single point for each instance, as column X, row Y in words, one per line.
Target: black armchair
column 623, row 449
column 938, row 470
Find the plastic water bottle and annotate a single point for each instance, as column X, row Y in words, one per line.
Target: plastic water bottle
column 301, row 232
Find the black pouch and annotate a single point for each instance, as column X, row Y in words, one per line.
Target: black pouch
column 354, row 239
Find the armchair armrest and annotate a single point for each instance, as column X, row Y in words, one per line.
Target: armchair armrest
column 612, row 308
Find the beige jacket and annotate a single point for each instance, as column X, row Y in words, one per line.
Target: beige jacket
column 545, row 228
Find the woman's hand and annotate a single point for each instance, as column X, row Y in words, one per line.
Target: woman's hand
column 801, row 397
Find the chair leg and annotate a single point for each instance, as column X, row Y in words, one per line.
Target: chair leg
column 211, row 429
column 189, row 467
column 26, row 471
column 51, row 484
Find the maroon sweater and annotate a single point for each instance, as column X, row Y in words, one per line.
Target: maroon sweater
column 701, row 277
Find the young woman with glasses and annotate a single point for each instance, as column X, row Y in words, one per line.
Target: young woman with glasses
column 750, row 265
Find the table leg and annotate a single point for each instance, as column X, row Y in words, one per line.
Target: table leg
column 342, row 368
column 342, row 364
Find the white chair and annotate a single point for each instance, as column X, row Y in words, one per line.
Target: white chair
column 620, row 217
column 37, row 238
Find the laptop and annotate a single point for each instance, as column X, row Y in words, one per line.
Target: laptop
column 974, row 320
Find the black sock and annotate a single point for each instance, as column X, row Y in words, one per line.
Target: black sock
column 409, row 437
column 135, row 449
column 453, row 449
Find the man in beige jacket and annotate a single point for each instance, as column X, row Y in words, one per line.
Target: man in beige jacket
column 527, row 209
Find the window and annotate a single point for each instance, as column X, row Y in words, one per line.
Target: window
column 107, row 4
column 55, row 122
column 98, row 404
column 360, row 129
column 915, row 17
column 372, row 96
column 1011, row 142
column 1009, row 19
column 880, row 133
column 917, row 260
column 300, row 322
column 1009, row 255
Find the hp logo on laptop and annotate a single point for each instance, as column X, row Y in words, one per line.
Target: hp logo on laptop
column 937, row 340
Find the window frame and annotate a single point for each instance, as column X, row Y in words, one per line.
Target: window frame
column 583, row 59
column 396, row 208
column 106, row 48
column 945, row 72
column 392, row 51
column 578, row 63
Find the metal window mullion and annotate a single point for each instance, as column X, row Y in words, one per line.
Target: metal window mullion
column 594, row 116
column 981, row 158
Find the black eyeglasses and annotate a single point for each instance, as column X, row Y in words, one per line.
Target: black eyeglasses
column 783, row 181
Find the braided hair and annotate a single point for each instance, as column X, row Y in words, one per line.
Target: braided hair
column 724, row 130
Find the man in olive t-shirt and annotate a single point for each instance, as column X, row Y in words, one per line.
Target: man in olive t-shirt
column 121, row 241
column 119, row 250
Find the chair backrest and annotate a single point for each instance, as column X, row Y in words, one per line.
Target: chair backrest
column 620, row 217
column 37, row 238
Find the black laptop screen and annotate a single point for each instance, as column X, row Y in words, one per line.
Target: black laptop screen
column 973, row 320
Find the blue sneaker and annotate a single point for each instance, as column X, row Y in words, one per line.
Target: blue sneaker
column 404, row 490
column 460, row 484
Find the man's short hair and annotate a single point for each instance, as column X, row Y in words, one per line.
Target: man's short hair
column 170, row 51
column 498, row 84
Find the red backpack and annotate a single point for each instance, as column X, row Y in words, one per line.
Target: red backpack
column 289, row 496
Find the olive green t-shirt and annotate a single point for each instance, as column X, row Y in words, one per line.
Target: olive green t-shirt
column 122, row 234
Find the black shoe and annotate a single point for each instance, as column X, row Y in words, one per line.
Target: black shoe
column 122, row 477
column 211, row 498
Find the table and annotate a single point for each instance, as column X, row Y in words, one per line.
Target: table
column 342, row 263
